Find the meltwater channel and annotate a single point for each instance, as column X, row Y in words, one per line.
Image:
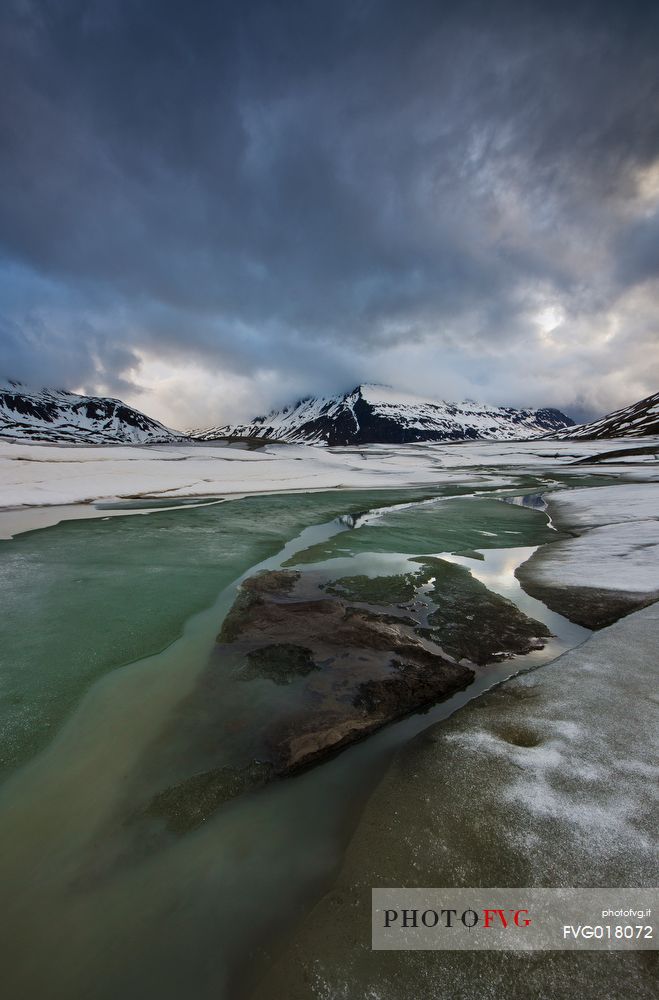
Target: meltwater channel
column 107, row 626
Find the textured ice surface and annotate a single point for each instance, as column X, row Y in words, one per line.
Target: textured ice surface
column 614, row 557
column 618, row 545
column 550, row 780
column 591, row 508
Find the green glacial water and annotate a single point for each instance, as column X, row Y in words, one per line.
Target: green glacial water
column 85, row 597
column 108, row 626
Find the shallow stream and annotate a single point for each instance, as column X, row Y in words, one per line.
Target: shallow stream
column 108, row 626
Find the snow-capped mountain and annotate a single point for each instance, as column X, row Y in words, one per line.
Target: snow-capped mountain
column 57, row 415
column 378, row 414
column 631, row 421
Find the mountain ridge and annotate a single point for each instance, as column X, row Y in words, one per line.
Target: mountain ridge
column 59, row 416
column 635, row 420
column 370, row 414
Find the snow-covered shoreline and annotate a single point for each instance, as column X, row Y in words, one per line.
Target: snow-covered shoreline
column 612, row 565
column 44, row 474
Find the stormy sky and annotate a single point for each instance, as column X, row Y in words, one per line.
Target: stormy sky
column 208, row 208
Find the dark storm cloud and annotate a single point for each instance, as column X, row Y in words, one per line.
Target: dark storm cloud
column 267, row 186
column 638, row 250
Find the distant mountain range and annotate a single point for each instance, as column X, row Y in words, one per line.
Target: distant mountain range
column 635, row 420
column 60, row 416
column 379, row 414
column 368, row 414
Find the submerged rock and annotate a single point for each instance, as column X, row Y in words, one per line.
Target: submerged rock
column 251, row 593
column 473, row 623
column 360, row 669
column 378, row 589
column 421, row 680
column 347, row 671
column 282, row 662
column 186, row 805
